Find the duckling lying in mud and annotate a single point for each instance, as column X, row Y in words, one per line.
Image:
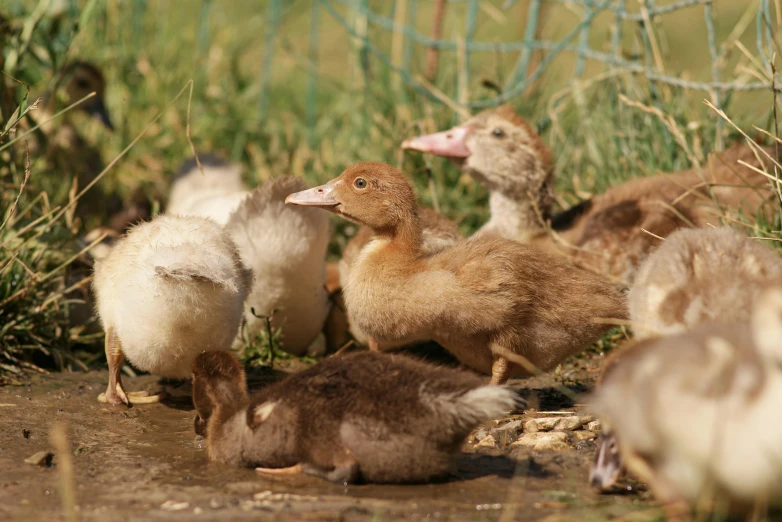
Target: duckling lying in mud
column 364, row 416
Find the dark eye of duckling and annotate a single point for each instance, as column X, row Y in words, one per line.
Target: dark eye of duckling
column 498, row 133
column 360, row 183
column 81, row 83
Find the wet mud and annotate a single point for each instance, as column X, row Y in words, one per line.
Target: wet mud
column 145, row 464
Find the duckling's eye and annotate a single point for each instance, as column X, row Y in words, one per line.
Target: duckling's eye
column 498, row 133
column 360, row 183
column 81, row 83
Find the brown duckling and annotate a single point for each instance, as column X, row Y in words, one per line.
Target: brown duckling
column 605, row 233
column 696, row 413
column 65, row 150
column 480, row 299
column 365, row 416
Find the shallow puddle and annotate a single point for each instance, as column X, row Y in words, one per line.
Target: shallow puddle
column 144, row 463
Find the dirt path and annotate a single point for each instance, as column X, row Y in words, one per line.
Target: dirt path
column 144, row 464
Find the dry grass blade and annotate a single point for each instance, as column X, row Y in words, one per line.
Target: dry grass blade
column 56, row 115
column 21, row 189
column 187, row 130
column 67, row 485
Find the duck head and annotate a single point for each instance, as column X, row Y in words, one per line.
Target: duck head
column 81, row 79
column 218, row 379
column 369, row 193
column 496, row 147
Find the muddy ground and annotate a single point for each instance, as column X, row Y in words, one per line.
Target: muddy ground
column 144, row 463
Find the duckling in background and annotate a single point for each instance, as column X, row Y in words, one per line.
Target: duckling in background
column 220, row 181
column 697, row 413
column 606, row 233
column 480, row 299
column 170, row 289
column 697, row 276
column 64, row 149
column 364, row 416
column 286, row 249
column 284, row 246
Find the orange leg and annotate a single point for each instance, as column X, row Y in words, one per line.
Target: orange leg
column 373, row 346
column 500, row 370
column 291, row 470
column 115, row 393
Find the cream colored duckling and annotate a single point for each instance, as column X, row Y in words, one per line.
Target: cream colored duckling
column 170, row 289
column 697, row 276
column 284, row 246
column 698, row 413
column 214, row 193
column 286, row 249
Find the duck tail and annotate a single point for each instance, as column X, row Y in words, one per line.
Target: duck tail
column 475, row 406
column 488, row 402
column 195, row 263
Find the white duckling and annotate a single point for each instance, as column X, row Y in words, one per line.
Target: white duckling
column 284, row 246
column 697, row 413
column 697, row 276
column 170, row 289
column 286, row 249
column 219, row 181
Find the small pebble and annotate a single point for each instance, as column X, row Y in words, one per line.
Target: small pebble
column 553, row 441
column 487, row 442
column 594, row 426
column 42, row 458
column 583, row 435
column 172, row 505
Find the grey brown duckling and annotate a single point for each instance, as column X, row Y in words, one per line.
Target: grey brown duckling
column 364, row 416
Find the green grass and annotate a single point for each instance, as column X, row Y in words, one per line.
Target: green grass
column 150, row 50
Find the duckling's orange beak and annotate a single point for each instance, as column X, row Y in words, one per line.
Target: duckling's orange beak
column 450, row 143
column 322, row 196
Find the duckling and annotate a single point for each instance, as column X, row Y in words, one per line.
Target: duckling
column 364, row 416
column 285, row 247
column 697, row 276
column 607, row 232
column 480, row 299
column 170, row 289
column 66, row 152
column 696, row 413
column 220, row 181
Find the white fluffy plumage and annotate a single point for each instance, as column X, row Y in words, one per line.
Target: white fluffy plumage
column 285, row 246
column 170, row 289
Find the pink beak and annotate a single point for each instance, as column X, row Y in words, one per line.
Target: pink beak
column 322, row 196
column 450, row 143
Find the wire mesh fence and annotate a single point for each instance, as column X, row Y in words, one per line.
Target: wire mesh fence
column 390, row 38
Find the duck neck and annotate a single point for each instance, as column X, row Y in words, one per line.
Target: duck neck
column 405, row 238
column 518, row 218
